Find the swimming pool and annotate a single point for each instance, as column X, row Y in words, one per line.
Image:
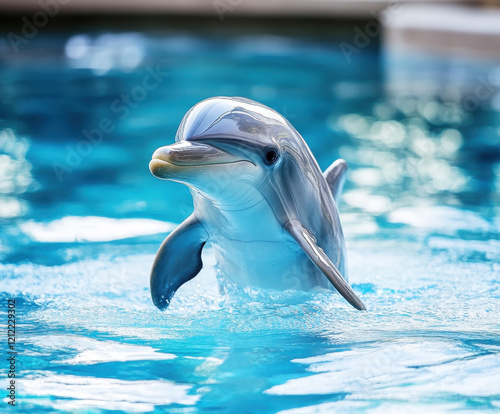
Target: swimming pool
column 81, row 219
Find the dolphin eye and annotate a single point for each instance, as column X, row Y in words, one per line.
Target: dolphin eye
column 271, row 156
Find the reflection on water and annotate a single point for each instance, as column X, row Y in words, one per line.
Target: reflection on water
column 77, row 393
column 91, row 351
column 106, row 52
column 420, row 215
column 365, row 372
column 92, row 229
column 404, row 158
column 15, row 174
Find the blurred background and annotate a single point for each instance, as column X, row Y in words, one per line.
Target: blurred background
column 408, row 92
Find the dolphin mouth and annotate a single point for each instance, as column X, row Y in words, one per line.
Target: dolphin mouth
column 186, row 155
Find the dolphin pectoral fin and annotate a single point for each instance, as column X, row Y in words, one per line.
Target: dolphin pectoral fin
column 335, row 177
column 177, row 261
column 307, row 242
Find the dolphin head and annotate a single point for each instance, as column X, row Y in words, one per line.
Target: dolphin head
column 227, row 149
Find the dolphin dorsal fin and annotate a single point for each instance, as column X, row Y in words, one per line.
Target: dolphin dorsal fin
column 335, row 177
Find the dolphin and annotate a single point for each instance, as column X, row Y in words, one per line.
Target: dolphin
column 259, row 198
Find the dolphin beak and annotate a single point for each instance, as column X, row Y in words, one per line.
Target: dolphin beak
column 170, row 161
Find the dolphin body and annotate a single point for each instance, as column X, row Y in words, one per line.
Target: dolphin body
column 260, row 199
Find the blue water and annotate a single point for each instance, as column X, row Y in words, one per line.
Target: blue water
column 80, row 224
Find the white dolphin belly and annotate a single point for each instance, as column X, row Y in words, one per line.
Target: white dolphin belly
column 263, row 264
column 252, row 249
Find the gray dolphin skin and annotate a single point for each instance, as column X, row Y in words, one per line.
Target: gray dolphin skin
column 260, row 199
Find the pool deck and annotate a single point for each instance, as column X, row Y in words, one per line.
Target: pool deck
column 450, row 30
column 450, row 27
column 220, row 8
column 433, row 49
